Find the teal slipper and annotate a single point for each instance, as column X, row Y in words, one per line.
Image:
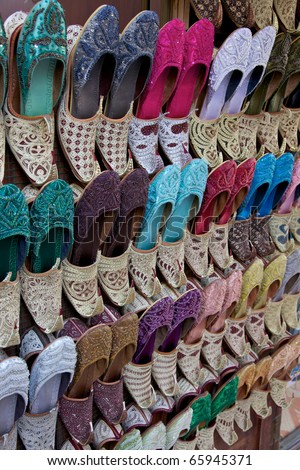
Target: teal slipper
column 51, row 225
column 41, row 58
column 189, row 198
column 14, row 231
column 162, row 196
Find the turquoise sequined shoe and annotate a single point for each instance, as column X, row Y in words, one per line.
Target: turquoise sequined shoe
column 41, row 58
column 51, row 225
column 3, row 86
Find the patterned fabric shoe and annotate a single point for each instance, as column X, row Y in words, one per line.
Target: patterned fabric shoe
column 31, row 140
column 225, row 426
column 196, row 253
column 3, row 85
column 288, row 127
column 14, row 245
column 203, row 140
column 173, row 137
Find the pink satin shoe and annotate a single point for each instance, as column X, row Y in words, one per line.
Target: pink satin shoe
column 165, row 71
column 198, row 49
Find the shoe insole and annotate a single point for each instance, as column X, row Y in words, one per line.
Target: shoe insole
column 85, row 104
column 7, row 413
column 118, row 104
column 40, row 94
column 273, row 198
column 176, row 224
column 50, row 250
column 82, row 388
column 254, row 202
column 147, row 238
column 211, row 109
column 8, row 256
column 187, row 88
column 151, row 105
column 247, row 86
column 47, row 396
column 85, row 250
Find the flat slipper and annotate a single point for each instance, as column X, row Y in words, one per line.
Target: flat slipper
column 251, row 282
column 167, row 64
column 292, row 192
column 213, row 12
column 223, row 82
column 217, row 192
column 3, row 88
column 241, row 14
column 14, row 246
column 41, row 73
column 14, row 398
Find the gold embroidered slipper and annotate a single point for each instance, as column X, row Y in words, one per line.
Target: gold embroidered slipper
column 252, row 278
column 243, row 406
column 259, row 391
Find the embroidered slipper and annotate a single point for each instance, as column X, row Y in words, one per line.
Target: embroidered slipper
column 178, row 426
column 105, row 434
column 272, row 77
column 130, row 441
column 78, row 115
column 14, row 246
column 223, row 82
column 205, row 437
column 259, row 54
column 115, row 251
column 252, row 279
column 42, row 74
column 197, row 55
column 217, row 192
column 155, row 437
column 262, row 180
column 51, row 222
column 31, row 140
column 213, row 294
column 259, row 391
column 108, row 391
column 241, row 14
column 264, row 14
column 287, row 16
column 154, row 326
column 142, row 268
column 3, row 86
column 162, row 196
column 14, row 376
column 170, row 257
column 201, row 407
column 225, row 397
column 292, row 192
column 167, row 64
column 93, row 351
column 37, row 427
column 242, row 415
column 255, row 329
column 213, row 12
column 136, row 418
column 204, row 139
column 272, row 280
column 196, row 254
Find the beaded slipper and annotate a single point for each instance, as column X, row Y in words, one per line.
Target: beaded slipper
column 212, row 11
column 13, row 398
column 51, row 222
column 259, row 391
column 204, row 139
column 252, row 279
column 242, row 415
column 178, row 427
column 272, row 279
column 131, row 440
column 3, row 86
column 136, row 417
column 14, row 246
column 241, row 14
column 77, row 123
column 155, row 437
column 31, row 140
column 105, row 433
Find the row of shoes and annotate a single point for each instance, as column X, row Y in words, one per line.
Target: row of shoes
column 251, row 13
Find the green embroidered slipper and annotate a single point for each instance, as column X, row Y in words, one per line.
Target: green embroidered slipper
column 225, row 397
column 51, row 224
column 201, row 407
column 14, row 231
column 41, row 58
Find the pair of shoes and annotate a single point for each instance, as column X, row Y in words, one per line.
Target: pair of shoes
column 104, row 66
column 161, row 327
column 241, row 14
column 37, row 62
column 250, row 231
column 46, row 232
column 227, row 186
column 181, row 65
column 102, row 350
column 219, row 111
column 108, row 214
column 174, row 198
column 51, row 363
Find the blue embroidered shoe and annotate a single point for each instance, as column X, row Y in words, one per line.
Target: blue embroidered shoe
column 51, row 225
column 136, row 51
column 14, row 244
column 93, row 52
column 41, row 58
